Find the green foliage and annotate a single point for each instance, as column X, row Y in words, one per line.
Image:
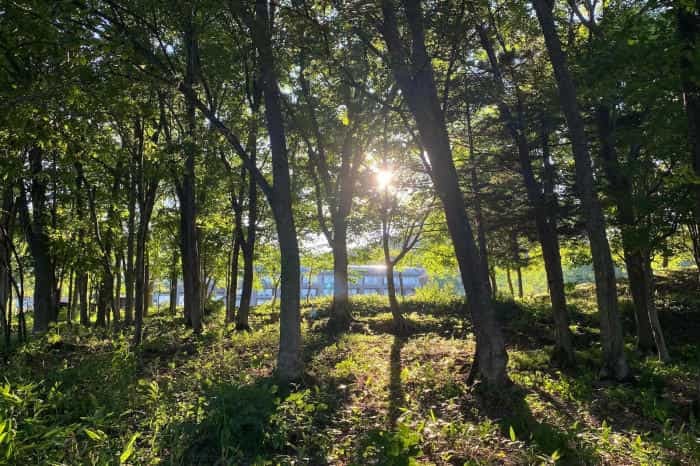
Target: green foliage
column 77, row 397
column 393, row 448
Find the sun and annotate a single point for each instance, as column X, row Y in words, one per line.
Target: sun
column 383, row 178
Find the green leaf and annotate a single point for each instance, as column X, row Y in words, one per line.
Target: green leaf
column 97, row 436
column 555, row 456
column 129, row 448
column 511, row 433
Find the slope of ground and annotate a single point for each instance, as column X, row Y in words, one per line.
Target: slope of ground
column 82, row 396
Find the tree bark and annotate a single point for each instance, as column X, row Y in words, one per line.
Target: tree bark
column 117, row 305
column 476, row 191
column 510, row 283
column 83, row 293
column 233, row 281
column 173, row 284
column 340, row 315
column 129, row 272
column 39, row 244
column 399, row 321
column 246, row 289
column 289, row 363
column 418, row 87
column 614, row 359
column 7, row 217
column 191, row 279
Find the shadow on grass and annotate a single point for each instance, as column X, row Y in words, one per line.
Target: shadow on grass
column 510, row 410
column 396, row 392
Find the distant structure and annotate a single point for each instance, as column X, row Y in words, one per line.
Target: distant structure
column 363, row 280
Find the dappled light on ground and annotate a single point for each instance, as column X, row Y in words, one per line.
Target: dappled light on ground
column 368, row 397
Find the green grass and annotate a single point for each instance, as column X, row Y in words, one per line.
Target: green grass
column 84, row 396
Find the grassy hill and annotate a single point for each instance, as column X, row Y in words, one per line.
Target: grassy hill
column 83, row 396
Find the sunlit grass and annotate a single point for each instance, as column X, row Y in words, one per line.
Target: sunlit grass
column 368, row 397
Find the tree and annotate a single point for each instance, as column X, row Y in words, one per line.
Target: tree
column 614, row 360
column 414, row 75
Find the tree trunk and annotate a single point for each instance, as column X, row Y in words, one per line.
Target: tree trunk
column 117, row 305
column 637, row 281
column 399, row 321
column 83, row 293
column 129, row 272
column 476, row 190
column 510, row 283
column 140, row 284
column 418, row 87
column 191, row 279
column 653, row 313
column 148, row 299
column 103, row 300
column 340, row 313
column 518, row 271
column 7, row 215
column 289, row 363
column 614, row 360
column 233, row 281
column 39, row 244
column 246, row 289
column 173, row 284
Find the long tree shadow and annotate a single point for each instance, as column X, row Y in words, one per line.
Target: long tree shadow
column 396, row 392
column 510, row 410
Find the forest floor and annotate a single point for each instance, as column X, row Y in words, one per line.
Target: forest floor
column 83, row 396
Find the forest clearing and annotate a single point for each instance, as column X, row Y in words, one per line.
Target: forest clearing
column 349, row 232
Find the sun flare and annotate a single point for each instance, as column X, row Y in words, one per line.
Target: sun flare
column 383, row 178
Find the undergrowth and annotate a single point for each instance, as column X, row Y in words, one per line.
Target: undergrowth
column 86, row 396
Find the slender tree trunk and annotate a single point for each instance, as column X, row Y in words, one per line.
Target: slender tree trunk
column 6, row 226
column 246, row 289
column 84, row 303
column 653, row 312
column 6, row 309
column 70, row 296
column 399, row 321
column 116, row 306
column 637, row 281
column 173, row 284
column 248, row 244
column 129, row 272
column 476, row 191
column 614, row 360
column 103, row 298
column 148, row 298
column 308, row 284
column 418, row 87
column 518, row 271
column 140, row 284
column 510, row 283
column 233, row 282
